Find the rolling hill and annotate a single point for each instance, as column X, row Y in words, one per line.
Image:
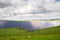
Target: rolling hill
column 24, row 34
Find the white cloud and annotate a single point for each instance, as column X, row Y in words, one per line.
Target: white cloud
column 18, row 7
column 44, row 24
column 56, row 23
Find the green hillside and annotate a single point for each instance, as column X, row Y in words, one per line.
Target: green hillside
column 23, row 34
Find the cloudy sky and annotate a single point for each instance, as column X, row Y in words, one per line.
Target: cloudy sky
column 30, row 10
column 20, row 9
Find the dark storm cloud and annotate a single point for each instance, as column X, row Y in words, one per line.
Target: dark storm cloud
column 27, row 25
column 10, row 24
column 2, row 5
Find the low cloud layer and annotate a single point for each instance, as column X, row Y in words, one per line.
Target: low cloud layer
column 34, row 25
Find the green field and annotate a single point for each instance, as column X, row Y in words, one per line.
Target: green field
column 23, row 34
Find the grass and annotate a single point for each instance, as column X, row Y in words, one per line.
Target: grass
column 23, row 34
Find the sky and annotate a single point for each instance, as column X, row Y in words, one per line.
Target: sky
column 12, row 10
column 20, row 10
column 57, row 0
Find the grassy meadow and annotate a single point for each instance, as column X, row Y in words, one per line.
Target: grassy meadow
column 24, row 34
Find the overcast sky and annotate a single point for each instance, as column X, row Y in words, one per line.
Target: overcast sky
column 48, row 9
column 35, row 9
